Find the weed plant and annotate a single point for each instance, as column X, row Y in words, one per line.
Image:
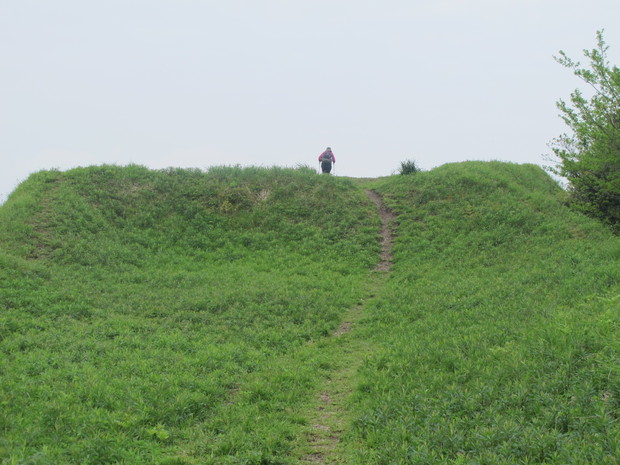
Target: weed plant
column 498, row 326
column 408, row 167
column 170, row 317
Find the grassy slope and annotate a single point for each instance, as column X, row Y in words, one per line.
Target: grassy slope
column 167, row 316
column 499, row 326
column 181, row 317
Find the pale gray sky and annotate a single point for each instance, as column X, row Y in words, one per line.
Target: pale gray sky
column 190, row 83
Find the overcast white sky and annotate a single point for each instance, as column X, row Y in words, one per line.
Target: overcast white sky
column 197, row 83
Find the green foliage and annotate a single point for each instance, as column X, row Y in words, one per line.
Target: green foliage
column 408, row 167
column 497, row 326
column 589, row 158
column 145, row 313
column 184, row 317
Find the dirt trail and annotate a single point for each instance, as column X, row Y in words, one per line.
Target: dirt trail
column 329, row 418
column 386, row 231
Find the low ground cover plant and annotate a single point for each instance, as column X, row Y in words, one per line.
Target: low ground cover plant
column 144, row 312
column 187, row 317
column 498, row 326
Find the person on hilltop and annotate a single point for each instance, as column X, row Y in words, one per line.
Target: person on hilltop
column 326, row 159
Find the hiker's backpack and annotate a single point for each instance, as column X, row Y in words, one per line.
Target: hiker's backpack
column 327, row 156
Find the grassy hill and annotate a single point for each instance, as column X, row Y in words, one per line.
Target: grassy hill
column 187, row 317
column 499, row 326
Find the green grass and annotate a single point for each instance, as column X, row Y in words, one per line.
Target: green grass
column 187, row 317
column 143, row 311
column 499, row 326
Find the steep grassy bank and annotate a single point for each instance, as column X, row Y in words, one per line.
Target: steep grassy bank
column 168, row 316
column 499, row 327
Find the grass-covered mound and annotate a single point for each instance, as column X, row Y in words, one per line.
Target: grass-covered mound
column 186, row 317
column 499, row 326
column 144, row 313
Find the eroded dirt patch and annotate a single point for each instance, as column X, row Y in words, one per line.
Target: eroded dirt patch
column 387, row 217
column 344, row 328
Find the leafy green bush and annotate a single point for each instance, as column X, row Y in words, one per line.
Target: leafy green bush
column 589, row 158
column 408, row 167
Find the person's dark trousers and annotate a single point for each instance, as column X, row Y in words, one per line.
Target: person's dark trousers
column 326, row 166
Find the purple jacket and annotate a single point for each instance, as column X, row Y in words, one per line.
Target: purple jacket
column 327, row 154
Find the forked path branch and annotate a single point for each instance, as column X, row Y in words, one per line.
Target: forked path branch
column 330, row 417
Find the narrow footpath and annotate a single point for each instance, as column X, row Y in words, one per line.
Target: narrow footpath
column 330, row 416
column 387, row 217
